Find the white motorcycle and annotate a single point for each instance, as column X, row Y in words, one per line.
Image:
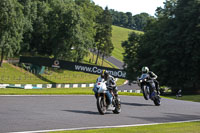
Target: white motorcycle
column 103, row 99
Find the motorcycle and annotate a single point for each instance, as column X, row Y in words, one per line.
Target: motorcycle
column 148, row 92
column 103, row 99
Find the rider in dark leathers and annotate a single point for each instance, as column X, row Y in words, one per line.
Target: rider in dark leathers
column 154, row 84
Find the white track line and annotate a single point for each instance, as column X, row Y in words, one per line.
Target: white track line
column 43, row 95
column 52, row 95
column 100, row 127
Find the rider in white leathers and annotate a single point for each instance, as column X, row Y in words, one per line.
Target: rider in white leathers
column 110, row 84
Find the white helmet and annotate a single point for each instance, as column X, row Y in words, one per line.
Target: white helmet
column 145, row 69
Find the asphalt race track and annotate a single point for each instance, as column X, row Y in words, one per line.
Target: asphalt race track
column 34, row 113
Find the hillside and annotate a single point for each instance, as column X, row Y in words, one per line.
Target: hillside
column 13, row 74
column 120, row 34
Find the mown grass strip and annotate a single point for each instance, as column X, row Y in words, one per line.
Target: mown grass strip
column 193, row 98
column 186, row 127
column 79, row 91
column 55, row 91
column 47, row 91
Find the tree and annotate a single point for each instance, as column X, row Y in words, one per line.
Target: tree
column 141, row 20
column 170, row 45
column 187, row 44
column 30, row 16
column 89, row 13
column 39, row 36
column 104, row 34
column 60, row 29
column 126, row 20
column 123, row 19
column 130, row 24
column 11, row 27
column 130, row 55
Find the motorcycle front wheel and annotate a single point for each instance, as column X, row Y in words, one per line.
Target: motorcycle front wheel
column 101, row 105
column 117, row 106
column 145, row 92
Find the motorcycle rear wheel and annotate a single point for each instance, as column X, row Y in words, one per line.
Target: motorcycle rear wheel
column 157, row 101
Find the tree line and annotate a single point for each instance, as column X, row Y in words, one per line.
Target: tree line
column 62, row 29
column 170, row 46
column 127, row 20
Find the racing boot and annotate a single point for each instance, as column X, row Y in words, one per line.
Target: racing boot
column 110, row 107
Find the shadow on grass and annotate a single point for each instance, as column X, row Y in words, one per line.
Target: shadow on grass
column 45, row 79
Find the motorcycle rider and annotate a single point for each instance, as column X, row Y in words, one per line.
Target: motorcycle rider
column 153, row 77
column 110, row 84
column 99, row 79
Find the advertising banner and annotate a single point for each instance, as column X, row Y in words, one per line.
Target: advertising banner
column 73, row 66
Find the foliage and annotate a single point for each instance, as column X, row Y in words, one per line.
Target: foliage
column 30, row 15
column 103, row 34
column 89, row 12
column 11, row 27
column 170, row 45
column 130, row 55
column 61, row 29
column 142, row 20
column 127, row 20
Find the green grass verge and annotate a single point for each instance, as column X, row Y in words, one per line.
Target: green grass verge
column 194, row 98
column 55, row 91
column 79, row 91
column 120, row 34
column 187, row 127
column 47, row 91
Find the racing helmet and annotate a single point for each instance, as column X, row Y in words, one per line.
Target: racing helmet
column 104, row 74
column 145, row 69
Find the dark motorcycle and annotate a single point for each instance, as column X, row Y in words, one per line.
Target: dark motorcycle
column 148, row 92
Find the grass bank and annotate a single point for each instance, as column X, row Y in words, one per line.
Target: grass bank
column 11, row 74
column 187, row 127
column 120, row 34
